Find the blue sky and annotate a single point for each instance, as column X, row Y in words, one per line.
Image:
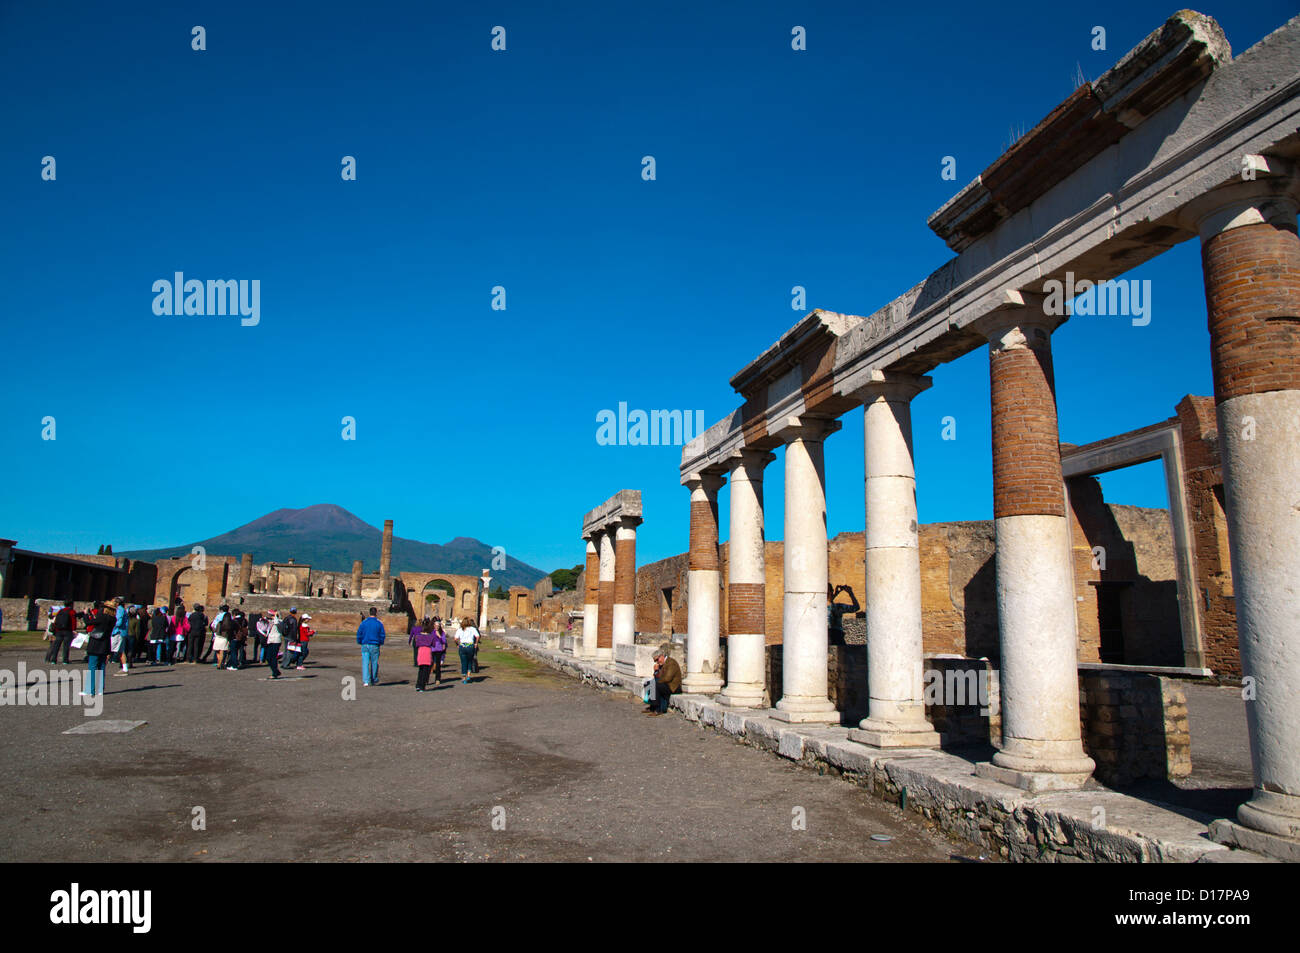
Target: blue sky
column 521, row 169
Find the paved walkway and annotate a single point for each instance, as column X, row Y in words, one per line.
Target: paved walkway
column 290, row 770
column 1152, row 821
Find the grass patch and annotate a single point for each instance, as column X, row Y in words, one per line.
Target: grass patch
column 22, row 640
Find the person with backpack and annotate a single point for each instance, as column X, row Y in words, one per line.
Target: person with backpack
column 158, row 635
column 221, row 641
column 65, row 627
column 198, row 620
column 238, row 639
column 291, row 626
column 97, row 648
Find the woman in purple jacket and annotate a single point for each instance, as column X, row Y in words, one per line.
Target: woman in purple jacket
column 439, row 650
column 423, row 642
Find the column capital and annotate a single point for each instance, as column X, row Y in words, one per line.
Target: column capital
column 1270, row 197
column 626, row 523
column 748, row 463
column 803, row 427
column 710, row 481
column 1020, row 320
column 888, row 385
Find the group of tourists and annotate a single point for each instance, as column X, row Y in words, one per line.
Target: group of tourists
column 116, row 631
column 428, row 640
column 159, row 635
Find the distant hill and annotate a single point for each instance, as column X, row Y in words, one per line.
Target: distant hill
column 326, row 536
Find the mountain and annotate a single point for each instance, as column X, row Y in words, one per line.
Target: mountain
column 326, row 536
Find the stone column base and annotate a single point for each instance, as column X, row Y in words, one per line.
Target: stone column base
column 805, row 710
column 701, row 683
column 1272, row 813
column 883, row 734
column 603, row 655
column 744, row 695
column 1033, row 781
column 1232, row 834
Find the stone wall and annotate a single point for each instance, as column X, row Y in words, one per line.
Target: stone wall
column 19, row 616
column 1203, row 482
column 1134, row 726
column 327, row 614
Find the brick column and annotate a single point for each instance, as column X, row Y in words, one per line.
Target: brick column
column 896, row 703
column 591, row 608
column 624, row 622
column 804, row 620
column 386, row 562
column 1251, row 260
column 1042, row 748
column 355, row 591
column 746, row 584
column 605, row 621
column 245, row 581
column 703, row 587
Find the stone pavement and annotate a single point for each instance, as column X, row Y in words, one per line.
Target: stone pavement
column 1095, row 823
column 291, row 771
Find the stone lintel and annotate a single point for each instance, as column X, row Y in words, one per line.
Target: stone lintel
column 623, row 505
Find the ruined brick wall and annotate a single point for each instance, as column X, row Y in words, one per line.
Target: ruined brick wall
column 1212, row 571
column 19, row 615
column 207, row 586
column 1125, row 555
column 661, row 597
column 958, row 591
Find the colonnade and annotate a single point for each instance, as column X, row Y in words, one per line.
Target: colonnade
column 609, row 607
column 1251, row 259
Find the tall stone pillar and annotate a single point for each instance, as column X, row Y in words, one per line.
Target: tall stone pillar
column 591, row 608
column 605, row 619
column 245, row 581
column 703, row 588
column 386, row 562
column 483, row 610
column 355, row 591
column 624, row 621
column 1038, row 632
column 804, row 621
column 6, row 552
column 746, row 584
column 1251, row 259
column 892, row 597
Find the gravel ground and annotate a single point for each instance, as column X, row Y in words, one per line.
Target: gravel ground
column 291, row 770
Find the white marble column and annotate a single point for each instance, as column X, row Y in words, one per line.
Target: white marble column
column 746, row 584
column 591, row 608
column 804, row 622
column 1251, row 258
column 1042, row 747
column 605, row 630
column 704, row 588
column 483, row 612
column 896, row 704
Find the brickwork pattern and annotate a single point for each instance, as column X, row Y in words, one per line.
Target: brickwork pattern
column 1026, row 443
column 1252, row 294
column 624, row 571
column 704, row 534
column 746, row 604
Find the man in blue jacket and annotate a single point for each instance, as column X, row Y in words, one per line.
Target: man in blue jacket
column 370, row 636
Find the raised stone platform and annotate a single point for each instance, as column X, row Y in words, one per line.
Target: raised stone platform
column 1092, row 824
